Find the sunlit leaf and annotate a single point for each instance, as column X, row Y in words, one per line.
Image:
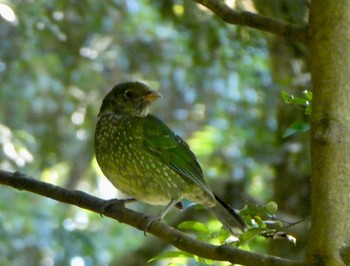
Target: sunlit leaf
column 308, row 95
column 171, row 255
column 204, row 261
column 195, row 226
column 259, row 222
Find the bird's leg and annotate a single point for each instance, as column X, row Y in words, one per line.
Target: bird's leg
column 108, row 203
column 172, row 203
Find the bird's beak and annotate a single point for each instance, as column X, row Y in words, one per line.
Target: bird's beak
column 151, row 96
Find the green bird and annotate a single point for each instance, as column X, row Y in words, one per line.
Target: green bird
column 144, row 159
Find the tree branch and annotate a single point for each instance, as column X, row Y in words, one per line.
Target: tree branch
column 256, row 21
column 139, row 221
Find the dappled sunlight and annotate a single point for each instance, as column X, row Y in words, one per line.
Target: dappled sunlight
column 14, row 150
column 7, row 13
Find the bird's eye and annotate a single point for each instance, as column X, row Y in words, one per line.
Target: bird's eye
column 128, row 94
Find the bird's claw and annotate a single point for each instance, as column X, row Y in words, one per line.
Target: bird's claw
column 108, row 203
column 150, row 222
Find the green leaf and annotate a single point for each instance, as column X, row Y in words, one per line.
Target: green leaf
column 308, row 95
column 195, row 226
column 271, row 207
column 171, row 255
column 286, row 97
column 204, row 261
column 259, row 221
column 254, row 210
column 249, row 235
column 276, row 224
column 296, row 127
column 299, row 101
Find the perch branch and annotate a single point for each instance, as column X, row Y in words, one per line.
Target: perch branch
column 140, row 221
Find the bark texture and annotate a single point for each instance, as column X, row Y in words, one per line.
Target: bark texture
column 330, row 143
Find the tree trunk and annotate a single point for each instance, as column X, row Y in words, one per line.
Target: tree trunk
column 330, row 142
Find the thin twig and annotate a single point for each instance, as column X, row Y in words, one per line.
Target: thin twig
column 256, row 21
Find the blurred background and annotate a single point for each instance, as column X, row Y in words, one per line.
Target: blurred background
column 222, row 89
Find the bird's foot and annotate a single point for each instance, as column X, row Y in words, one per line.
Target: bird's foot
column 108, row 203
column 150, row 222
column 172, row 203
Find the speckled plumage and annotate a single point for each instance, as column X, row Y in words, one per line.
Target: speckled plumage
column 144, row 159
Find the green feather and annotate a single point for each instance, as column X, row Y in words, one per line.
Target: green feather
column 173, row 151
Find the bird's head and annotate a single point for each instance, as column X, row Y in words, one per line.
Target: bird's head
column 128, row 99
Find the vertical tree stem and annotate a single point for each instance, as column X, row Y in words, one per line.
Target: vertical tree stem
column 330, row 140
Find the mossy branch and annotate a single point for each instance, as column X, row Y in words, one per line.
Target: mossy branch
column 139, row 221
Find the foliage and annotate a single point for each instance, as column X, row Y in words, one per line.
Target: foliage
column 299, row 102
column 304, row 103
column 262, row 223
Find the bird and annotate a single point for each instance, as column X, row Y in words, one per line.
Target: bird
column 144, row 159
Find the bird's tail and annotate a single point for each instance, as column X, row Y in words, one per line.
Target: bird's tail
column 228, row 217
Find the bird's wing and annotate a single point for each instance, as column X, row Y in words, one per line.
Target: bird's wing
column 173, row 151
